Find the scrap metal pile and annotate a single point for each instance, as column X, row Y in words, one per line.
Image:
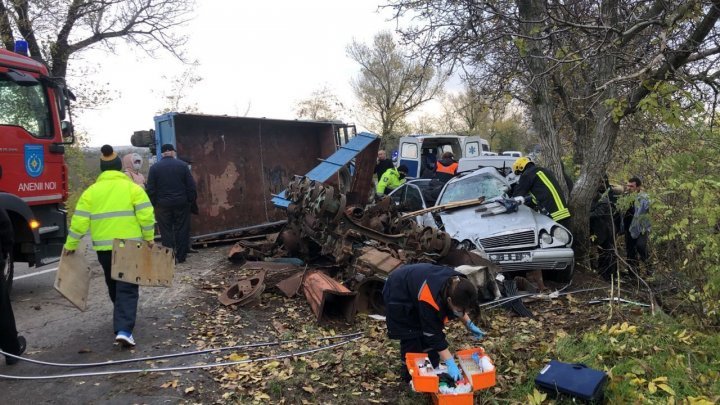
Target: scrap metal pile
column 349, row 249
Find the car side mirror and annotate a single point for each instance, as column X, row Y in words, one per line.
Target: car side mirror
column 67, row 129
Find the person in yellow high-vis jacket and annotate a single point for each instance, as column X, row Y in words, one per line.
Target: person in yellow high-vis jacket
column 114, row 208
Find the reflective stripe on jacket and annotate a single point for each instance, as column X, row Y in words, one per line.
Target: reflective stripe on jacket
column 541, row 186
column 112, row 208
column 389, row 181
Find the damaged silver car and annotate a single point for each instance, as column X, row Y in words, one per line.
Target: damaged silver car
column 510, row 234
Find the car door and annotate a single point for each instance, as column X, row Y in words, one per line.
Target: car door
column 409, row 198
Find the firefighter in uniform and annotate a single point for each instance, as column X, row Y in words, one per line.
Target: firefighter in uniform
column 446, row 168
column 419, row 300
column 538, row 187
column 114, row 208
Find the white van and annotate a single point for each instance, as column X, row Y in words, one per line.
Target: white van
column 513, row 153
column 420, row 152
column 502, row 163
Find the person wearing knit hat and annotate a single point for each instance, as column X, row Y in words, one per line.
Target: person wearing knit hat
column 109, row 159
column 114, row 207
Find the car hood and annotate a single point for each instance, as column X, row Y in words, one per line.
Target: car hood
column 514, row 230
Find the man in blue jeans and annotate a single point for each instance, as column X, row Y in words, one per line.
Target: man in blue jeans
column 114, row 207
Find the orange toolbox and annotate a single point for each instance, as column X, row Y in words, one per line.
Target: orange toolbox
column 477, row 368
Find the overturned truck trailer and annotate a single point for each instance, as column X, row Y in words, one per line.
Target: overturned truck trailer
column 239, row 163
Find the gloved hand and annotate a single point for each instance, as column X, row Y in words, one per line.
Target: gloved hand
column 453, row 370
column 519, row 199
column 477, row 332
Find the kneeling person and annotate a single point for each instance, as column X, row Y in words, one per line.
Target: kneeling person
column 419, row 300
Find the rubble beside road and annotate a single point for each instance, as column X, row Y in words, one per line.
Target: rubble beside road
column 360, row 372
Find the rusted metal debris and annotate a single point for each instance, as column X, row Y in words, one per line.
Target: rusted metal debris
column 244, row 291
column 255, row 248
column 328, row 298
column 291, row 285
column 362, row 246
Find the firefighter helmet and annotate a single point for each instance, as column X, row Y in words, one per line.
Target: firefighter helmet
column 520, row 164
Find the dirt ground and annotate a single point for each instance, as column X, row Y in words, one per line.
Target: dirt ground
column 188, row 316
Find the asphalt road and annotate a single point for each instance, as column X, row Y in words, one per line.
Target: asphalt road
column 56, row 331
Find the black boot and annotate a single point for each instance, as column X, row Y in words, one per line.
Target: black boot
column 23, row 345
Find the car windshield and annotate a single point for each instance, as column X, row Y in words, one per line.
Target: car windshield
column 472, row 187
column 25, row 106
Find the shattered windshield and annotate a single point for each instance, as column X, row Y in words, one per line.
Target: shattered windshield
column 473, row 187
column 25, row 106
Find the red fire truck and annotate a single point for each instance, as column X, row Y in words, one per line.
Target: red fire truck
column 33, row 173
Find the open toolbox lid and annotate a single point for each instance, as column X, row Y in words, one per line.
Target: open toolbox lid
column 473, row 373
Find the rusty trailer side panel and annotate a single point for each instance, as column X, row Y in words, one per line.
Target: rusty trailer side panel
column 238, row 163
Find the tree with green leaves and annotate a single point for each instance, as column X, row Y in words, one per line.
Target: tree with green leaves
column 392, row 83
column 57, row 30
column 581, row 68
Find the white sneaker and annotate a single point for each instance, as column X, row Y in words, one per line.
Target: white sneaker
column 125, row 339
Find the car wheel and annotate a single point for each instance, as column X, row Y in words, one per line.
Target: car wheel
column 561, row 276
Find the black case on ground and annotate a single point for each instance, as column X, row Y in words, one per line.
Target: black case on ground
column 575, row 380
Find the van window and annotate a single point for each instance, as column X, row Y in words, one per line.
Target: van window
column 409, row 150
column 472, row 149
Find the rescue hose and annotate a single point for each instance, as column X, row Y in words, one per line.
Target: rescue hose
column 181, row 368
column 173, row 355
column 514, row 297
column 497, row 303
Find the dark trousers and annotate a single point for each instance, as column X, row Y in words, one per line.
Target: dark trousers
column 415, row 345
column 602, row 229
column 636, row 249
column 174, row 225
column 124, row 296
column 8, row 331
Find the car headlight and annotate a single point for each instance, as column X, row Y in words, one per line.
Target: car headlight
column 546, row 238
column 562, row 235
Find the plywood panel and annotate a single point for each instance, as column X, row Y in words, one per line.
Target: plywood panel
column 137, row 263
column 73, row 279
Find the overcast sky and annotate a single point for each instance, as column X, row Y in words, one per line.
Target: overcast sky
column 263, row 54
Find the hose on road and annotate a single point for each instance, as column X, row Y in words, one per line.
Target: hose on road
column 173, row 355
column 183, row 368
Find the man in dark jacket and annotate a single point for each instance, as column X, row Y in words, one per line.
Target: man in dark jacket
column 10, row 342
column 538, row 187
column 419, row 300
column 172, row 191
column 602, row 213
column 383, row 164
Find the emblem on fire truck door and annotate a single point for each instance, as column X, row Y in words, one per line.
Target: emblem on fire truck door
column 34, row 162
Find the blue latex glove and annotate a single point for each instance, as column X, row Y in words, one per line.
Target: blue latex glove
column 477, row 332
column 452, row 369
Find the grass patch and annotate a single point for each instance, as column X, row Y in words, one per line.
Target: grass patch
column 659, row 360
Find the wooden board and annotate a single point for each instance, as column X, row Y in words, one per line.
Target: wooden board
column 137, row 263
column 456, row 204
column 73, row 278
